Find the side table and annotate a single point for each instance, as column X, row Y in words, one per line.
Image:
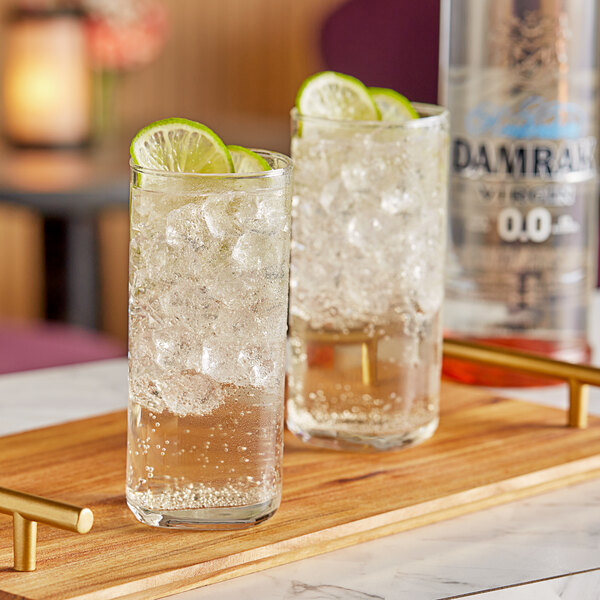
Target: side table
column 73, row 186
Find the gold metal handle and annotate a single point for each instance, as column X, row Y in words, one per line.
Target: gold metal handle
column 368, row 348
column 579, row 377
column 28, row 510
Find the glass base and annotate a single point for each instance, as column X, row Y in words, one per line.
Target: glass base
column 235, row 517
column 338, row 440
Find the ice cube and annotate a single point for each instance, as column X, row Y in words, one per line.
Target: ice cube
column 262, row 369
column 220, row 361
column 186, row 228
column 217, row 216
column 244, row 208
column 188, row 302
column 272, row 214
column 365, row 231
column 329, row 192
column 189, row 392
column 176, row 347
column 254, row 251
column 270, row 310
column 356, row 176
column 397, row 199
column 364, row 172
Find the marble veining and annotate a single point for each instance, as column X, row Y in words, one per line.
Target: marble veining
column 304, row 591
column 578, row 586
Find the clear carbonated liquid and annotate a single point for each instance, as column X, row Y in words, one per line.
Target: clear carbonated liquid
column 331, row 399
column 225, row 459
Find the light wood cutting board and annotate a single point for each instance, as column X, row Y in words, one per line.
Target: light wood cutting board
column 488, row 450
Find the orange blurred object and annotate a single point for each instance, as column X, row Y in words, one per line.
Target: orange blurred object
column 319, row 355
column 46, row 80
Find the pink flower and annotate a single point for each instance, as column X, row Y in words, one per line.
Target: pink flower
column 121, row 45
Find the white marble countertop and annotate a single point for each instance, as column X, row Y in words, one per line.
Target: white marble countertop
column 544, row 548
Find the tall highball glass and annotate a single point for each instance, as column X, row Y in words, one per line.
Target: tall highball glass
column 369, row 230
column 208, row 305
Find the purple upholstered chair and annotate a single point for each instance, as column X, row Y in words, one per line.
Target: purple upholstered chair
column 35, row 346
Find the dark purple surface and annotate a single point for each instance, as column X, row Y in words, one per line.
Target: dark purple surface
column 386, row 43
column 26, row 347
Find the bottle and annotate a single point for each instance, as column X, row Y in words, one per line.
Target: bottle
column 520, row 80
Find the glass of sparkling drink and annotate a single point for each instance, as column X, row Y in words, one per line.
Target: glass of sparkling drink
column 209, row 279
column 369, row 229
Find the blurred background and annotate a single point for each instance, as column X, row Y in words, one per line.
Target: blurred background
column 79, row 78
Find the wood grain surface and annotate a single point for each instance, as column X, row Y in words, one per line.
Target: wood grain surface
column 488, row 450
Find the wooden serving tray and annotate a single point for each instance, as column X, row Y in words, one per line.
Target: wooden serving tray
column 488, row 450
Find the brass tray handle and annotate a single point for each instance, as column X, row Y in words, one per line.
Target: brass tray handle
column 579, row 377
column 27, row 511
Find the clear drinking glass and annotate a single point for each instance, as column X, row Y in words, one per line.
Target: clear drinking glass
column 369, row 229
column 209, row 274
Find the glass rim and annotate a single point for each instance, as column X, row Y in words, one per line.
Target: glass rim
column 279, row 172
column 437, row 114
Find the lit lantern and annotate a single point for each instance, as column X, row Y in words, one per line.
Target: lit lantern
column 46, row 83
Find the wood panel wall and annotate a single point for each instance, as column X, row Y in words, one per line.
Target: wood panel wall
column 21, row 264
column 234, row 64
column 113, row 247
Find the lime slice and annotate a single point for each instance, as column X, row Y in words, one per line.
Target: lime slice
column 246, row 161
column 180, row 146
column 336, row 96
column 392, row 105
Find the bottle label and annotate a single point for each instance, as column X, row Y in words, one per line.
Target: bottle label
column 520, row 159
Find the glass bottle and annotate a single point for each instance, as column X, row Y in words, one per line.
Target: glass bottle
column 520, row 80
